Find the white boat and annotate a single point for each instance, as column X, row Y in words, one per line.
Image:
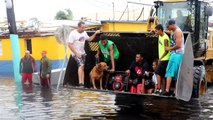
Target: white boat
column 54, row 77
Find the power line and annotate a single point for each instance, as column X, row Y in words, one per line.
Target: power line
column 130, row 11
column 89, row 1
column 140, row 3
column 101, row 2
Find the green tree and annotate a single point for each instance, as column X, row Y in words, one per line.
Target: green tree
column 64, row 15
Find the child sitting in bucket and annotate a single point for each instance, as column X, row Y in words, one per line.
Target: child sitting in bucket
column 150, row 80
column 136, row 72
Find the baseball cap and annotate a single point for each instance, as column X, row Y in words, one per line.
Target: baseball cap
column 44, row 51
column 170, row 22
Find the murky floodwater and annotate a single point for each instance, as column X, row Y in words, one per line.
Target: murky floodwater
column 35, row 103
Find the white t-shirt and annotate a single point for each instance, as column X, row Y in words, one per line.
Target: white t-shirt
column 78, row 41
column 154, row 79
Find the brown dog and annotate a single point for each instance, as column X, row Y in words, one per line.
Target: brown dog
column 97, row 73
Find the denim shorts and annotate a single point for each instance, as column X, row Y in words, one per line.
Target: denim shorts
column 80, row 61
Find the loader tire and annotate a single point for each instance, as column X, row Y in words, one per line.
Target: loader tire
column 199, row 83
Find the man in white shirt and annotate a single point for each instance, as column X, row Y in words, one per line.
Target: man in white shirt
column 76, row 44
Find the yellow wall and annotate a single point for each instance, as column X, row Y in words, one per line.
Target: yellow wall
column 125, row 26
column 54, row 50
column 6, row 50
column 209, row 54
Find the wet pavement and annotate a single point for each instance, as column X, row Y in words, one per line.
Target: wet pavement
column 36, row 103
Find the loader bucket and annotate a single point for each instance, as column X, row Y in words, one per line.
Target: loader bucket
column 184, row 84
column 128, row 45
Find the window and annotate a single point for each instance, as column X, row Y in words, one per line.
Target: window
column 179, row 11
column 28, row 44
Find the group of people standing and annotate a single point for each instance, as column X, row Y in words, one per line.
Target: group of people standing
column 170, row 50
column 28, row 67
column 165, row 68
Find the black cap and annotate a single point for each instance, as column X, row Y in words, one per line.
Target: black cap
column 103, row 37
column 170, row 22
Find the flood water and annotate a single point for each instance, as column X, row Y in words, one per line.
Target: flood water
column 36, row 103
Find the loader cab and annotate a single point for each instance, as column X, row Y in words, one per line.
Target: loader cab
column 191, row 16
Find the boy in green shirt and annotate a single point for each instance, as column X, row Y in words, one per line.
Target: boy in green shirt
column 163, row 42
column 109, row 51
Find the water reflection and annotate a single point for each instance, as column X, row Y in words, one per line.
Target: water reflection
column 8, row 107
column 46, row 94
column 18, row 102
column 207, row 104
column 159, row 108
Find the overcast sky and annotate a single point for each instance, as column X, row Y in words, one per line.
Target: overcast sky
column 46, row 9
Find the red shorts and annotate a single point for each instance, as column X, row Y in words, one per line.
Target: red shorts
column 45, row 82
column 26, row 77
column 27, row 88
column 137, row 89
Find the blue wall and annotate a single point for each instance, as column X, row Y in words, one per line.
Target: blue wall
column 6, row 66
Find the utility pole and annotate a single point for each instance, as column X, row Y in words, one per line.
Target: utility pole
column 13, row 38
column 133, row 13
column 96, row 16
column 127, row 12
column 113, row 8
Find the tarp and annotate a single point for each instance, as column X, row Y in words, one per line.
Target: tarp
column 184, row 84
